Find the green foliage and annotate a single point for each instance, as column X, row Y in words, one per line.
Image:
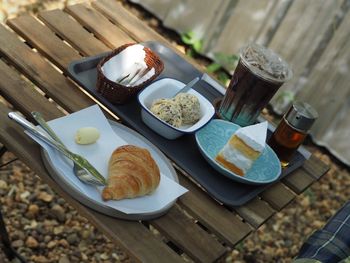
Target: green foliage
column 226, row 61
column 195, row 43
column 223, row 77
column 222, row 62
column 213, row 67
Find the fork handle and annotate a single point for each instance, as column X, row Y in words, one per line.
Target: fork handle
column 28, row 126
column 43, row 124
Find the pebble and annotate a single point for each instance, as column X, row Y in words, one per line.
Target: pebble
column 44, row 196
column 58, row 230
column 24, row 196
column 33, row 209
column 84, row 256
column 58, row 212
column 32, row 242
column 39, row 259
column 18, row 235
column 17, row 243
column 85, row 234
column 51, row 244
column 64, row 259
column 47, row 238
column 104, row 256
column 72, row 238
column 63, row 243
column 3, row 185
column 83, row 245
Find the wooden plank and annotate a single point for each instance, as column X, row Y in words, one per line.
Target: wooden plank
column 278, row 196
column 40, row 72
column 304, row 26
column 242, row 25
column 127, row 21
column 189, row 237
column 298, row 181
column 255, row 212
column 315, row 167
column 99, row 25
column 36, row 33
column 159, row 8
column 135, row 28
column 22, row 94
column 330, row 72
column 133, row 237
column 213, row 216
column 71, row 31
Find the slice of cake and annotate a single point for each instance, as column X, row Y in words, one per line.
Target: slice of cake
column 243, row 148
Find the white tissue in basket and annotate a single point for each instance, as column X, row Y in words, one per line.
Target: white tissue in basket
column 128, row 61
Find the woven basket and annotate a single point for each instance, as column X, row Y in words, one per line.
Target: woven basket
column 117, row 93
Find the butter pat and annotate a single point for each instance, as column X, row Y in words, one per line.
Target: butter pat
column 87, row 135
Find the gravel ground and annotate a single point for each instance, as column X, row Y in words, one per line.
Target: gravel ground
column 44, row 228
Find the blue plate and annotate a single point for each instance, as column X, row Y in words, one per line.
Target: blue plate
column 213, row 137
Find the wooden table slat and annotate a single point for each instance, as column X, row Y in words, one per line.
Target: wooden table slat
column 71, row 31
column 40, row 72
column 134, row 26
column 212, row 215
column 315, row 167
column 35, row 33
column 127, row 21
column 188, row 236
column 139, row 242
column 298, row 181
column 255, row 212
column 22, row 95
column 99, row 25
column 278, row 196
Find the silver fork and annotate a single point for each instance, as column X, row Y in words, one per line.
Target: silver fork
column 82, row 168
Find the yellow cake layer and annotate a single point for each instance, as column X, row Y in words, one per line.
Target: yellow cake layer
column 237, row 143
column 230, row 166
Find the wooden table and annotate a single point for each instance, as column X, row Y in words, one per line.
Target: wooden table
column 40, row 48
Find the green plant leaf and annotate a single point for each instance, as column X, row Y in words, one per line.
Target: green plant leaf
column 197, row 45
column 213, row 67
column 190, row 52
column 227, row 61
column 223, row 77
column 188, row 37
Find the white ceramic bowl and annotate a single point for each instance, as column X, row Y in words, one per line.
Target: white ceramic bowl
column 166, row 88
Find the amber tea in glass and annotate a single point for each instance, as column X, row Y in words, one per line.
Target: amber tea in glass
column 292, row 130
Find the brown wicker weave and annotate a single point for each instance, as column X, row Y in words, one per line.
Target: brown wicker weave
column 117, row 93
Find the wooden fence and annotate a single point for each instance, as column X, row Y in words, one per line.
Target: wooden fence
column 312, row 35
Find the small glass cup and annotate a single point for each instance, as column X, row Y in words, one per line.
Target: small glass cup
column 292, row 130
column 259, row 74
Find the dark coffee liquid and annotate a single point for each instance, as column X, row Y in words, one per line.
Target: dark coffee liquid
column 246, row 96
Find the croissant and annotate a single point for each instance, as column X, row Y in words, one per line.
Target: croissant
column 132, row 172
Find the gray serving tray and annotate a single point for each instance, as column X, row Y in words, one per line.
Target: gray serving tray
column 183, row 151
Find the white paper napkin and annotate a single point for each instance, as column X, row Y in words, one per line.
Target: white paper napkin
column 98, row 155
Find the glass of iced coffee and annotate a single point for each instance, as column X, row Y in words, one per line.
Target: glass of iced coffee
column 259, row 74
